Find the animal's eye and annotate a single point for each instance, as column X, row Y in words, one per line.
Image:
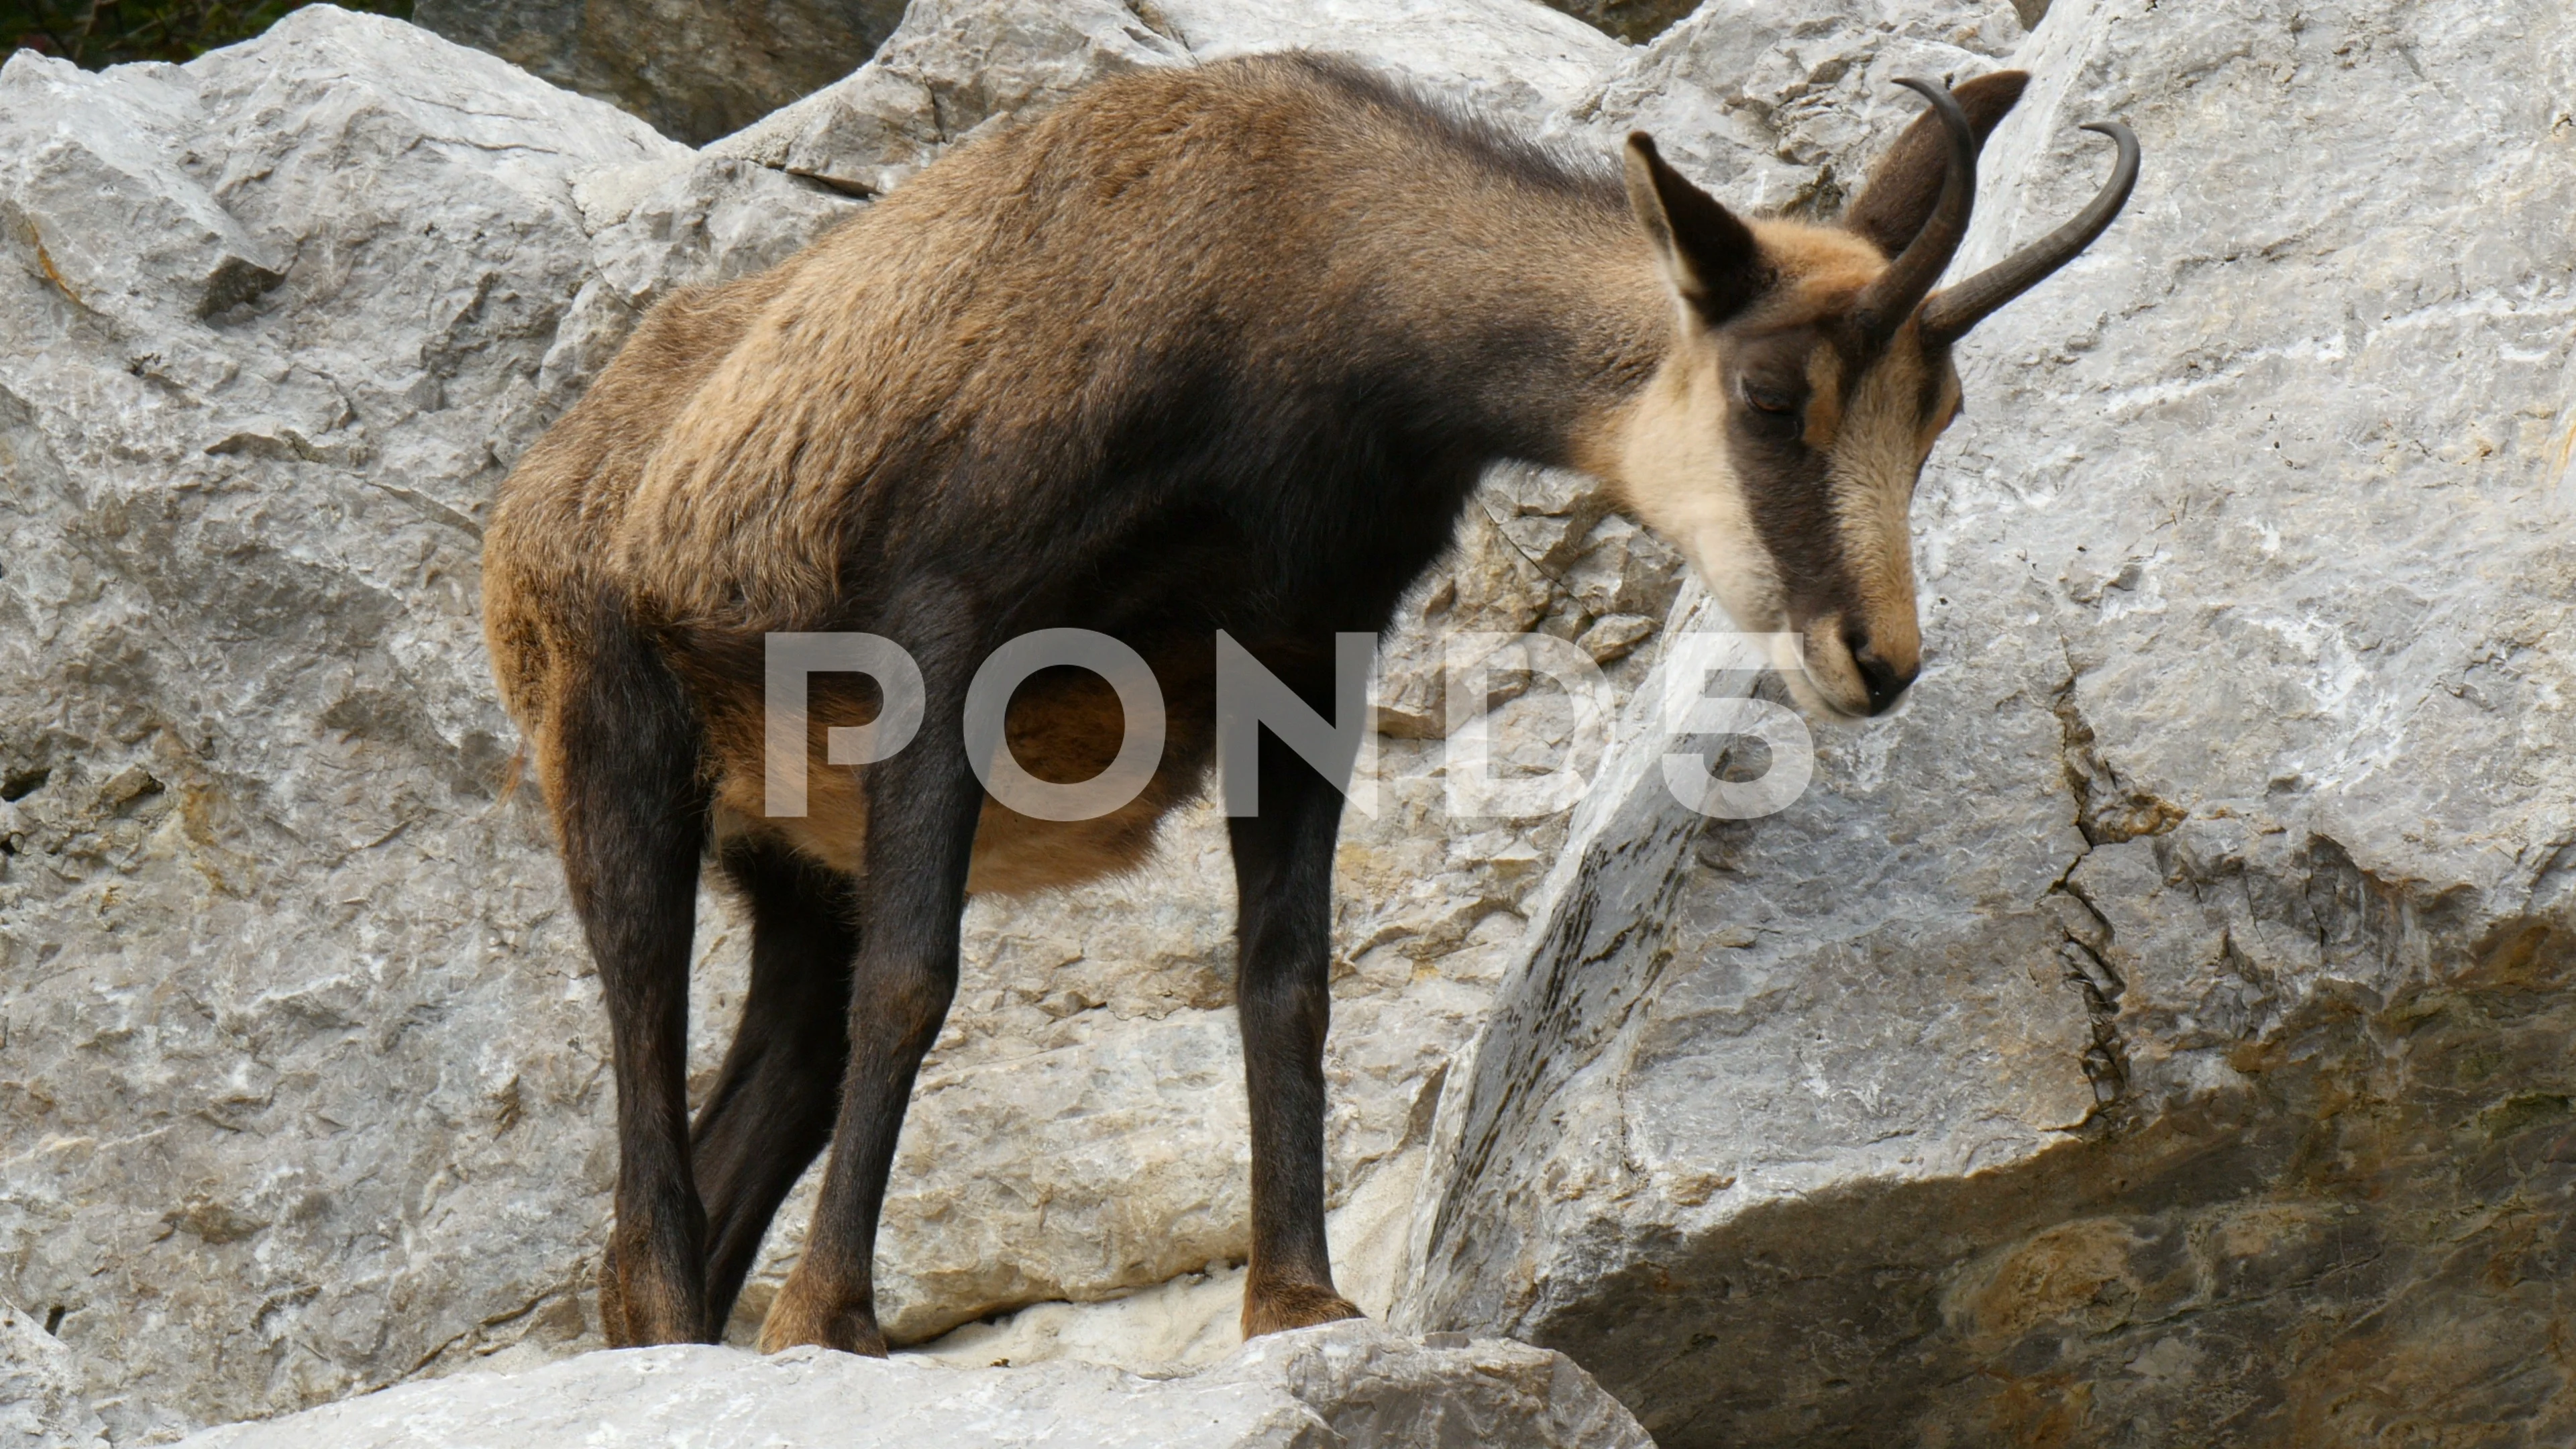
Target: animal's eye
column 1778, row 402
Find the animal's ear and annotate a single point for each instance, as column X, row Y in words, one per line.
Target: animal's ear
column 1903, row 190
column 1709, row 256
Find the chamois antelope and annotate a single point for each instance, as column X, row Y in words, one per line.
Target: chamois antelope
column 1209, row 349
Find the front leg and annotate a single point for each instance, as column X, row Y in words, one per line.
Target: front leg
column 1283, row 869
column 922, row 809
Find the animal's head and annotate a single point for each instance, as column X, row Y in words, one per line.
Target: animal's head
column 1780, row 444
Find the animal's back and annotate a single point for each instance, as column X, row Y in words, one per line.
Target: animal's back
column 1013, row 318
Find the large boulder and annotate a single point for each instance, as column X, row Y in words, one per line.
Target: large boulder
column 960, row 64
column 700, row 69
column 1344, row 1384
column 304, row 1081
column 696, row 69
column 2161, row 1030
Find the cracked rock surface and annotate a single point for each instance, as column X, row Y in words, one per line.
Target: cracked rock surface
column 2160, row 1031
column 41, row 1383
column 960, row 64
column 700, row 69
column 303, row 1087
column 1348, row 1383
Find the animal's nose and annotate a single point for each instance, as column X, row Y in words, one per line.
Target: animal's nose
column 1885, row 682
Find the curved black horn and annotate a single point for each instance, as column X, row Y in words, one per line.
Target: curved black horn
column 1949, row 315
column 1887, row 302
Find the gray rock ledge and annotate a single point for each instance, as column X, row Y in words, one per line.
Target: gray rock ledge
column 1344, row 1384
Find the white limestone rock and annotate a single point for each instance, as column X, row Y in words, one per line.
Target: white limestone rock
column 955, row 65
column 1778, row 106
column 1340, row 1384
column 2159, row 1030
column 41, row 1406
column 662, row 226
column 1516, row 61
column 304, row 1088
column 2158, row 1027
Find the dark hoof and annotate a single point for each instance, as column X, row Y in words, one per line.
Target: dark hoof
column 637, row 1312
column 805, row 1315
column 1280, row 1307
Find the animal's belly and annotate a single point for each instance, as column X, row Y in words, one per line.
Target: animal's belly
column 1063, row 728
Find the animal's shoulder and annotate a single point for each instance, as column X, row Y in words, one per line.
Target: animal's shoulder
column 579, row 473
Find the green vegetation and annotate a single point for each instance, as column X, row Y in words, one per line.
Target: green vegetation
column 96, row 33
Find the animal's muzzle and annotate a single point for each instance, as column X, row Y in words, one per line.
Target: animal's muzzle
column 1883, row 680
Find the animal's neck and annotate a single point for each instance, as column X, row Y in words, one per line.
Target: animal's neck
column 1628, row 324
column 1541, row 322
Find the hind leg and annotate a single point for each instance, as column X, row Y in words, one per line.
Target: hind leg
column 622, row 775
column 772, row 1107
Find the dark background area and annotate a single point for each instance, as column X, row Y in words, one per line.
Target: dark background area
column 94, row 33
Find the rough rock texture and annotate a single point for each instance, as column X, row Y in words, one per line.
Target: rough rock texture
column 694, row 68
column 700, row 69
column 959, row 64
column 2160, row 1031
column 306, row 1089
column 1342, row 1384
column 1781, row 105
column 1636, row 21
column 41, row 1406
column 304, row 1084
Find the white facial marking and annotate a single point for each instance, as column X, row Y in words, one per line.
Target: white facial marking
column 1682, row 484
